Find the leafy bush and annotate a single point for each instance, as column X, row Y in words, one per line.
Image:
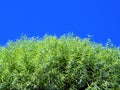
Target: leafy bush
column 65, row 63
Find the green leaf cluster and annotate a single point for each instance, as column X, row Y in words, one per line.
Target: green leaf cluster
column 65, row 63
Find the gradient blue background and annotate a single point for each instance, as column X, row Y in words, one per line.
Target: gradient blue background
column 99, row 18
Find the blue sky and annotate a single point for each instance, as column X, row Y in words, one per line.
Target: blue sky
column 99, row 18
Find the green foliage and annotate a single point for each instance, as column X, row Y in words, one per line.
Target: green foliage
column 65, row 63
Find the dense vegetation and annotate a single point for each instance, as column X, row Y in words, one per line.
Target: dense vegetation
column 65, row 63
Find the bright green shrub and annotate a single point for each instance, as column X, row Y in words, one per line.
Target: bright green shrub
column 65, row 63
